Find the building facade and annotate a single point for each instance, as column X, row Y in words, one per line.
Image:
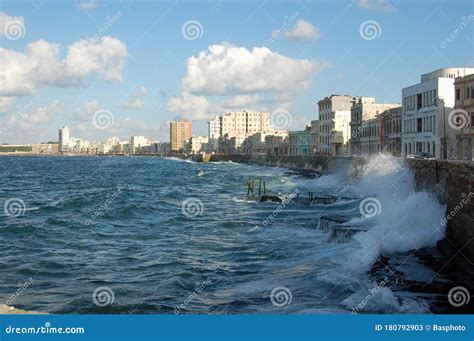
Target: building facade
column 334, row 129
column 63, row 139
column 424, row 114
column 363, row 112
column 180, row 131
column 299, row 142
column 463, row 117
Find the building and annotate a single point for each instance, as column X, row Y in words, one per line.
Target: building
column 136, row 142
column 464, row 117
column 180, row 131
column 63, row 139
column 392, row 131
column 276, row 144
column 335, row 117
column 363, row 112
column 299, row 142
column 256, row 144
column 228, row 132
column 424, row 114
column 314, row 136
column 198, row 143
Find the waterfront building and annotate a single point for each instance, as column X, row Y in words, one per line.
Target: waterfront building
column 363, row 125
column 180, row 131
column 63, row 139
column 198, row 143
column 136, row 142
column 424, row 114
column 334, row 130
column 214, row 133
column 314, row 136
column 276, row 144
column 464, row 105
column 299, row 142
column 256, row 143
column 392, row 131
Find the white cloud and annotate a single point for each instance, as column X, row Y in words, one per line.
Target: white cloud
column 227, row 69
column 225, row 77
column 87, row 110
column 5, row 103
column 376, row 5
column 5, row 20
column 135, row 100
column 302, row 30
column 40, row 65
column 87, row 5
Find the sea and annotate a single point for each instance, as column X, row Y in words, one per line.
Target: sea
column 158, row 235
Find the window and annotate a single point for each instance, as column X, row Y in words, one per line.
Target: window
column 419, row 125
column 419, row 102
column 472, row 119
column 468, row 93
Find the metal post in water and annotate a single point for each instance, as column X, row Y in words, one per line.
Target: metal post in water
column 264, row 190
column 259, row 186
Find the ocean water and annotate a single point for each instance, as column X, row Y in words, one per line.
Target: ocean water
column 161, row 235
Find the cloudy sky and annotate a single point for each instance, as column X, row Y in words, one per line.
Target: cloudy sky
column 144, row 64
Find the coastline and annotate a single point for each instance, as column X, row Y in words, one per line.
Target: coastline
column 8, row 310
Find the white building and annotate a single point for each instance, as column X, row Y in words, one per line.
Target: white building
column 425, row 107
column 335, row 117
column 63, row 139
column 197, row 143
column 137, row 142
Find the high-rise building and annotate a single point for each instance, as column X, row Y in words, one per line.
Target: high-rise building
column 63, row 139
column 180, row 131
column 425, row 111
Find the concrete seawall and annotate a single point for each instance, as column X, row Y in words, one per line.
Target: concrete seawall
column 452, row 183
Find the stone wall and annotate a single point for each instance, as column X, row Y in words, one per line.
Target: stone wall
column 452, row 182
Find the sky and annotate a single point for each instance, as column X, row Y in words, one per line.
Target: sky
column 122, row 68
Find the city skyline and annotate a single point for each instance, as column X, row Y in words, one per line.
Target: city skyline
column 165, row 68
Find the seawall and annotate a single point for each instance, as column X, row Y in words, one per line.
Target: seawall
column 452, row 182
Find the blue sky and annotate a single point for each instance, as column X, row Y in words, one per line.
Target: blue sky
column 142, row 75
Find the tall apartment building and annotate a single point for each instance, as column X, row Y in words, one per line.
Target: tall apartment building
column 235, row 127
column 180, row 131
column 335, row 118
column 314, row 136
column 63, row 139
column 425, row 108
column 136, row 142
column 362, row 112
column 464, row 116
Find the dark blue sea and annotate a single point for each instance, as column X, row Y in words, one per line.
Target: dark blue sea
column 162, row 235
